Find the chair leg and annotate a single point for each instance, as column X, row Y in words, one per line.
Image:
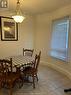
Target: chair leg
column 10, row 93
column 33, row 81
column 0, row 85
column 0, row 88
column 20, row 82
column 37, row 77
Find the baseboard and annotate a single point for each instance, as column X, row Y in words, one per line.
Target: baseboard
column 57, row 68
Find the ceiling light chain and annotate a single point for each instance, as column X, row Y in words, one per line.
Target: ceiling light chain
column 18, row 7
column 18, row 3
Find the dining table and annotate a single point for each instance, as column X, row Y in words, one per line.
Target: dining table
column 21, row 61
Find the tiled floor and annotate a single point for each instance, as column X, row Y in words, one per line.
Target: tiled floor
column 50, row 82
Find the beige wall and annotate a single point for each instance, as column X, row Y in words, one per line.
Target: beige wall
column 25, row 39
column 43, row 37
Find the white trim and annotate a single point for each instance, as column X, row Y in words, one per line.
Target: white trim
column 57, row 68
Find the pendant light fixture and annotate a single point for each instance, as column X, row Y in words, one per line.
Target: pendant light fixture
column 18, row 17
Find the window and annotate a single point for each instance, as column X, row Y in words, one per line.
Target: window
column 59, row 42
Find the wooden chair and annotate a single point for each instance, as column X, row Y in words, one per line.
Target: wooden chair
column 28, row 52
column 32, row 71
column 9, row 77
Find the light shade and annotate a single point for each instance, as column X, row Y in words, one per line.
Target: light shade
column 18, row 17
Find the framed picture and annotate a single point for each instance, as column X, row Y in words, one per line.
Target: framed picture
column 9, row 29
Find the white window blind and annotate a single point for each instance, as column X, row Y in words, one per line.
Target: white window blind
column 59, row 42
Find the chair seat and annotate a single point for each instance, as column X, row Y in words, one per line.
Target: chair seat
column 29, row 70
column 11, row 77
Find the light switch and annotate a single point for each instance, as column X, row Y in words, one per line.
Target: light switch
column 3, row 3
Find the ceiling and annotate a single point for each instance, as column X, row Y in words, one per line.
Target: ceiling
column 37, row 6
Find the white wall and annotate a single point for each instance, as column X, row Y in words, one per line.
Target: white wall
column 25, row 39
column 43, row 37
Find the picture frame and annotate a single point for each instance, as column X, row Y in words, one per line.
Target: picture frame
column 9, row 29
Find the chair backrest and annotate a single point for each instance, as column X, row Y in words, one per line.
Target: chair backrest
column 5, row 66
column 37, row 60
column 28, row 52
